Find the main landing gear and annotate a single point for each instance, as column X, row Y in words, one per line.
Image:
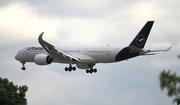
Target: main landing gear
column 70, row 68
column 91, row 70
column 23, row 67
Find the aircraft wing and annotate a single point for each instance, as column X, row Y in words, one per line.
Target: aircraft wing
column 54, row 52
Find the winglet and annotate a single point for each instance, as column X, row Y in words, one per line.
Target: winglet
column 40, row 36
column 43, row 43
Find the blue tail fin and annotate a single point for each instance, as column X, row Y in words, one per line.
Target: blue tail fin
column 141, row 38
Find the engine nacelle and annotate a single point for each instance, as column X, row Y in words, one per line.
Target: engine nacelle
column 42, row 59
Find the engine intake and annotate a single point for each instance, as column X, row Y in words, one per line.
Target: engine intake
column 42, row 59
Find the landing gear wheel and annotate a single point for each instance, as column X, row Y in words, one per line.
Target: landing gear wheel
column 91, row 71
column 74, row 68
column 23, row 68
column 66, row 68
column 70, row 68
column 95, row 70
column 87, row 71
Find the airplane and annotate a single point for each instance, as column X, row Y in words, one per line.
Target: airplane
column 86, row 57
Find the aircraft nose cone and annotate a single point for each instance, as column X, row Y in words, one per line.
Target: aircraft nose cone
column 17, row 57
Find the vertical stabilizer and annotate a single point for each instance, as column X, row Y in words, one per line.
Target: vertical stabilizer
column 141, row 38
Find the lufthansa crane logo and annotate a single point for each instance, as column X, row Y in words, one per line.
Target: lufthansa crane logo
column 140, row 40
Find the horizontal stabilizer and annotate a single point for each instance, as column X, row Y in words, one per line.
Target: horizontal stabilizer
column 161, row 50
column 153, row 52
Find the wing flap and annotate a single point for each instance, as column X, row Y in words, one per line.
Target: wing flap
column 66, row 55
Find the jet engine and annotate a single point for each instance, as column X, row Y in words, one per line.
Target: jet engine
column 42, row 59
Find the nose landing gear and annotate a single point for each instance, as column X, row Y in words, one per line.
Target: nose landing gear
column 23, row 67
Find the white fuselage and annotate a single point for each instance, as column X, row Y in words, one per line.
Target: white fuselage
column 88, row 54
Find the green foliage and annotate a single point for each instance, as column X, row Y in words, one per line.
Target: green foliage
column 11, row 94
column 179, row 56
column 172, row 83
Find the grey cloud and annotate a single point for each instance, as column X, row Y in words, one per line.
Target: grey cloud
column 78, row 8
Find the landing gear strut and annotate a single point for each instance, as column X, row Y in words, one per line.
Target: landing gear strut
column 23, row 67
column 91, row 70
column 70, row 68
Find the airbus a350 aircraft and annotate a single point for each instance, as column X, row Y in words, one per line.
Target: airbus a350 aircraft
column 85, row 57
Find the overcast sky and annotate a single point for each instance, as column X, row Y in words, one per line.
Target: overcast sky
column 92, row 22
